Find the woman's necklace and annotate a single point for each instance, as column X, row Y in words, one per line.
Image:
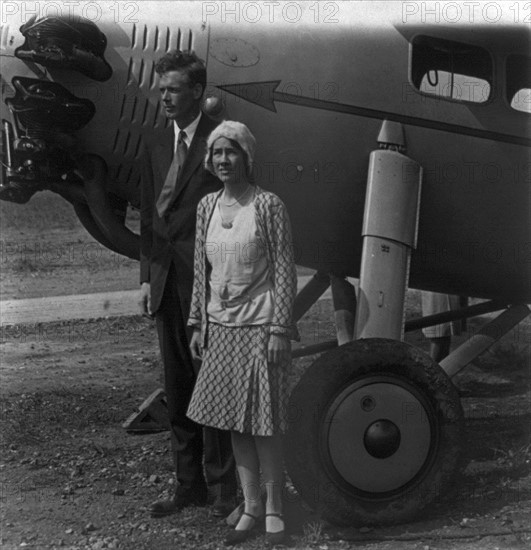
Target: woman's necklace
column 225, row 223
column 238, row 199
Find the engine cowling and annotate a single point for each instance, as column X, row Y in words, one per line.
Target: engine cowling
column 67, row 43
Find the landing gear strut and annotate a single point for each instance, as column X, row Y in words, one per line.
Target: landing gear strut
column 375, row 424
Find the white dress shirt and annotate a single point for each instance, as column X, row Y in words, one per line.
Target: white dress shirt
column 190, row 132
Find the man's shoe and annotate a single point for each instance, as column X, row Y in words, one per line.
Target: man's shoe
column 162, row 508
column 222, row 507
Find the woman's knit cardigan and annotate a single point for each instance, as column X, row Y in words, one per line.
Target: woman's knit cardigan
column 274, row 232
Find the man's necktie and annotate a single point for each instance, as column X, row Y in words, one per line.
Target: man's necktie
column 169, row 189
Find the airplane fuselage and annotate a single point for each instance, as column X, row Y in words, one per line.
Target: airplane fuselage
column 315, row 98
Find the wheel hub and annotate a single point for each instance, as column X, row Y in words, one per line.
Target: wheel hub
column 382, row 438
column 377, row 435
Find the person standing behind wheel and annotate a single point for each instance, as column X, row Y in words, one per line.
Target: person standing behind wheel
column 173, row 182
column 440, row 336
column 244, row 287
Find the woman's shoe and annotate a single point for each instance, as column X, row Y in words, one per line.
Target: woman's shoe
column 278, row 537
column 237, row 536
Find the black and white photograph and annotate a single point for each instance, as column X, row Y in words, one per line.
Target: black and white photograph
column 265, row 275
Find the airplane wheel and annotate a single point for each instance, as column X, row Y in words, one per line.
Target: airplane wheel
column 374, row 433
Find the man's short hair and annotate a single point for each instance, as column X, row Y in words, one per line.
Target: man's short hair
column 185, row 61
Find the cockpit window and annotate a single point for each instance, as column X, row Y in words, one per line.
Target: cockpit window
column 451, row 70
column 519, row 82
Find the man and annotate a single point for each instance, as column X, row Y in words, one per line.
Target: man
column 173, row 182
column 440, row 336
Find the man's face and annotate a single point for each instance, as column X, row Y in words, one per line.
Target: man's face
column 180, row 100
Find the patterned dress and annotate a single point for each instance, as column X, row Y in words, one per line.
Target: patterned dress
column 245, row 284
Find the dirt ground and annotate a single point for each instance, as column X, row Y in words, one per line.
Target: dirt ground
column 71, row 477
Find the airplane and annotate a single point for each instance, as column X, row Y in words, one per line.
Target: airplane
column 399, row 141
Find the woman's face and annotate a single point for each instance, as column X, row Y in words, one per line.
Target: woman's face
column 228, row 161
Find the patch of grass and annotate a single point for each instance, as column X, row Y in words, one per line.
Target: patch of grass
column 312, row 533
column 515, row 458
column 504, row 358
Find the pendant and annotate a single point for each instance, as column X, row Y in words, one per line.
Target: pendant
column 226, row 225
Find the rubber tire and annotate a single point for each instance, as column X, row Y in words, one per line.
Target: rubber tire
column 330, row 374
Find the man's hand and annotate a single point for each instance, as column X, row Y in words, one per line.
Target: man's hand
column 278, row 349
column 145, row 299
column 195, row 345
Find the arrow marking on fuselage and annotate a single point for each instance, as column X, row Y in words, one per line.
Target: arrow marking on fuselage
column 264, row 94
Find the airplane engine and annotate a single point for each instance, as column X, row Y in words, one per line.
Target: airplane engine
column 48, row 61
column 44, row 114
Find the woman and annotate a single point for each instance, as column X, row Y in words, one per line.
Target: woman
column 244, row 287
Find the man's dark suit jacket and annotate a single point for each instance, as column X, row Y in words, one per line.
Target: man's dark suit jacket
column 172, row 236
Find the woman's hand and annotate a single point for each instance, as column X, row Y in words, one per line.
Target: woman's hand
column 278, row 349
column 195, row 345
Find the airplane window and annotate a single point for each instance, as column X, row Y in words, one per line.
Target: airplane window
column 451, row 70
column 519, row 82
